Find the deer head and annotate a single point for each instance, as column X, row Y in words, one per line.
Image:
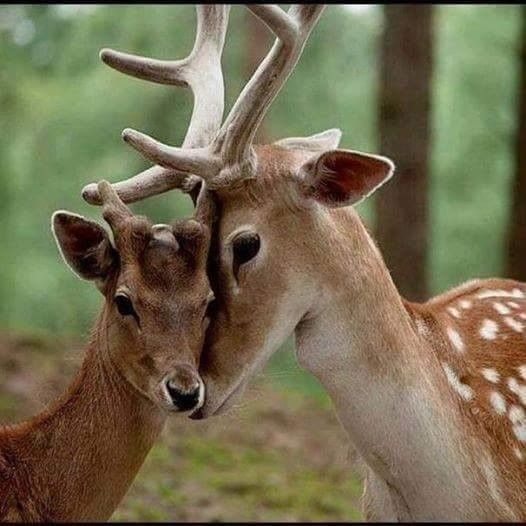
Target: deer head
column 156, row 294
column 278, row 207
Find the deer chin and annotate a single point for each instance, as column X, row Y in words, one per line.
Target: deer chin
column 219, row 405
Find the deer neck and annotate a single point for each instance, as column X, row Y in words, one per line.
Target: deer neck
column 359, row 341
column 77, row 460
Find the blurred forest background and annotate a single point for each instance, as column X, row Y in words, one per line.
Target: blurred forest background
column 440, row 89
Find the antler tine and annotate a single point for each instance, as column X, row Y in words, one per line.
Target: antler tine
column 114, row 210
column 191, row 160
column 292, row 30
column 279, row 22
column 146, row 68
column 201, row 71
column 155, row 180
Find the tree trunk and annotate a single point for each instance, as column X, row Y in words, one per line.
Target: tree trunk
column 516, row 256
column 404, row 126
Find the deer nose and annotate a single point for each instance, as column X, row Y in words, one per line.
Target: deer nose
column 184, row 399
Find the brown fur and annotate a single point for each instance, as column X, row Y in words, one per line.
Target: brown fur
column 505, row 354
column 75, row 461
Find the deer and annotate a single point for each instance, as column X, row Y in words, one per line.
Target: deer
column 76, row 460
column 432, row 395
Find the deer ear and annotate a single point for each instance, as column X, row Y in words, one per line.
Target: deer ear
column 84, row 245
column 344, row 177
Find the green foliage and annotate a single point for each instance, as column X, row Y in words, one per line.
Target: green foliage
column 475, row 90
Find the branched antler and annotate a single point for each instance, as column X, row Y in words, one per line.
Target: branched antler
column 201, row 72
column 237, row 133
column 229, row 157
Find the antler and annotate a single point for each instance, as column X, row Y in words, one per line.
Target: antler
column 230, row 156
column 114, row 210
column 234, row 142
column 201, row 71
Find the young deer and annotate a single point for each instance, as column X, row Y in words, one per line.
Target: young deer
column 76, row 460
column 432, row 395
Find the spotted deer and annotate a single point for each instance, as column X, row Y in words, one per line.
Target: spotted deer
column 76, row 460
column 432, row 395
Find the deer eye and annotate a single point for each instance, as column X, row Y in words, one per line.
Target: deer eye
column 245, row 246
column 124, row 304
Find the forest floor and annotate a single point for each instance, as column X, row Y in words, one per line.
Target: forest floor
column 280, row 456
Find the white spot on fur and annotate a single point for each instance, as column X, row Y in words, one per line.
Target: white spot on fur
column 513, row 305
column 455, row 339
column 518, row 419
column 489, row 329
column 463, row 390
column 465, row 304
column 501, row 309
column 454, row 312
column 498, row 403
column 487, row 294
column 421, row 326
column 516, row 414
column 517, row 326
column 499, row 293
column 518, row 453
column 522, row 371
column 491, row 375
column 517, row 388
column 522, row 315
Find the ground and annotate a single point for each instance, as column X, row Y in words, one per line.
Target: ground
column 280, row 456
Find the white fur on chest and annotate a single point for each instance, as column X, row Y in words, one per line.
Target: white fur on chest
column 402, row 436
